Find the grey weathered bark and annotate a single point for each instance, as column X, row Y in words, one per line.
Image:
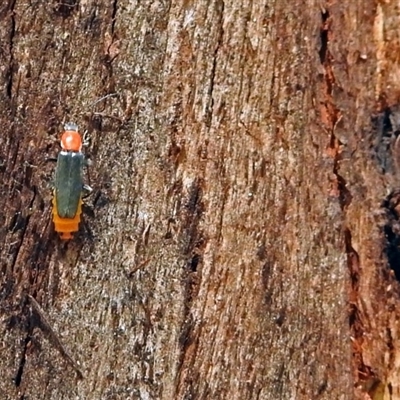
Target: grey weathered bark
column 242, row 239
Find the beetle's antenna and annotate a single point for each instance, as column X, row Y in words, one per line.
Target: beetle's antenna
column 103, row 98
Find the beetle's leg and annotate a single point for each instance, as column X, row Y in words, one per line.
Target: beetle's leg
column 87, row 162
column 50, row 182
column 87, row 191
column 85, row 138
column 87, row 188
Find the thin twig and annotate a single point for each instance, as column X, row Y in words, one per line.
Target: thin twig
column 46, row 328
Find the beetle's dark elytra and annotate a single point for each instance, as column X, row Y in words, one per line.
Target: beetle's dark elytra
column 69, row 182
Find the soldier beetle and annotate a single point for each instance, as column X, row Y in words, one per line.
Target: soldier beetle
column 68, row 185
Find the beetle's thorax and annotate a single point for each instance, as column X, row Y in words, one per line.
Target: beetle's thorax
column 71, row 141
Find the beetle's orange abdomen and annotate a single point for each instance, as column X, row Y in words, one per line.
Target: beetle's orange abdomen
column 66, row 226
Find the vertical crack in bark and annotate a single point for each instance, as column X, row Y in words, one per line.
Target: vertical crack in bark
column 11, row 51
column 18, row 376
column 323, row 51
column 333, row 114
column 356, row 325
column 114, row 16
column 20, row 222
column 193, row 246
column 110, row 54
column 392, row 232
column 210, row 109
column 385, row 140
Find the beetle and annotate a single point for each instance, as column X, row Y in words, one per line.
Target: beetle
column 68, row 184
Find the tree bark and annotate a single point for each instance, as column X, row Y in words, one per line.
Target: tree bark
column 242, row 238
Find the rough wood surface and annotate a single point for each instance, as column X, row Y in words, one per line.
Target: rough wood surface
column 243, row 238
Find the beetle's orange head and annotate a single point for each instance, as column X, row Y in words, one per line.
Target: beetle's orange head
column 71, row 139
